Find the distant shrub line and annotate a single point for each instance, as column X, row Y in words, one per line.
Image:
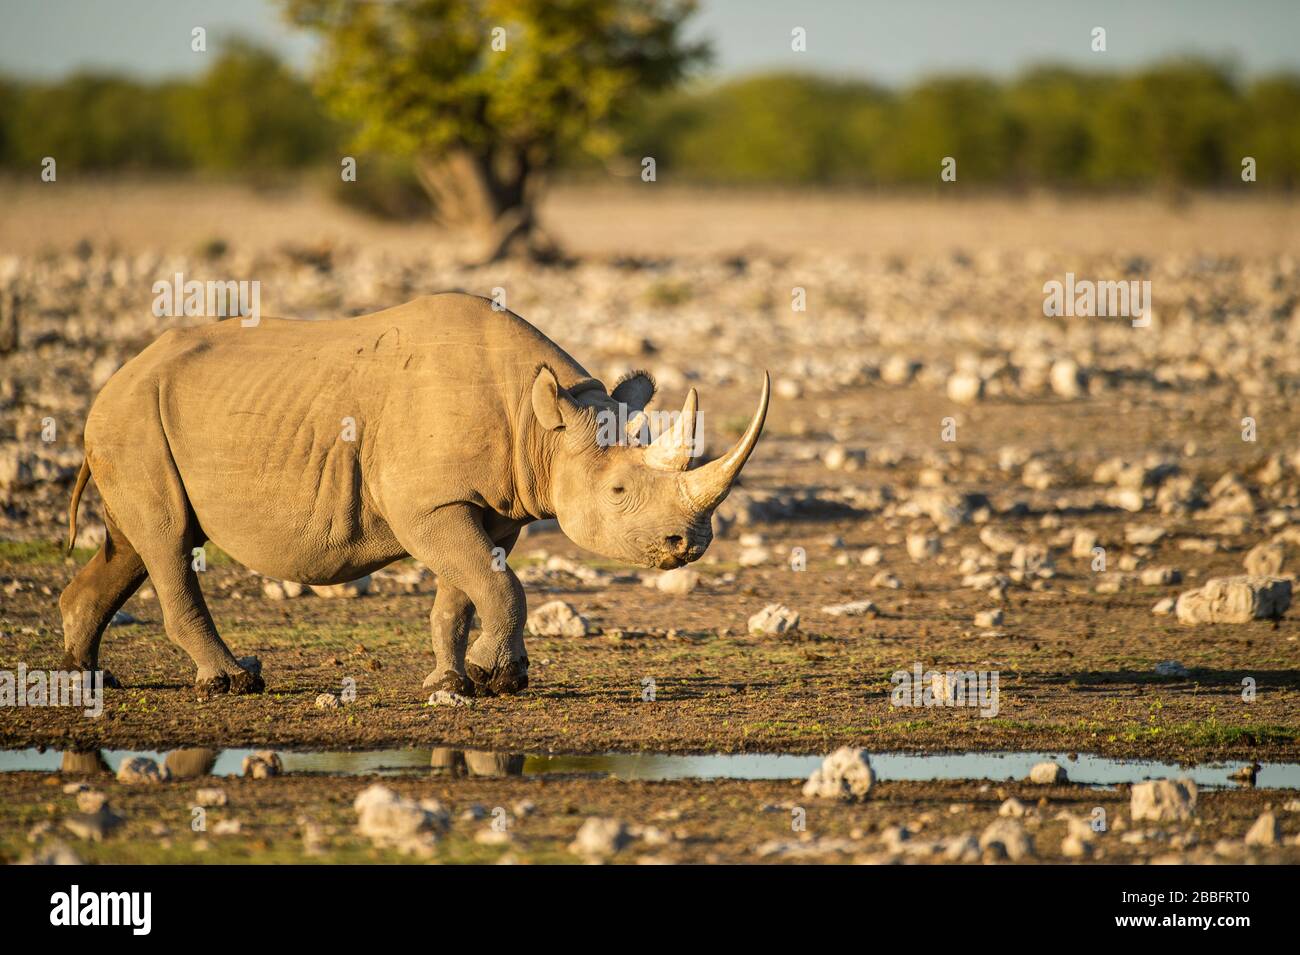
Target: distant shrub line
column 1184, row 124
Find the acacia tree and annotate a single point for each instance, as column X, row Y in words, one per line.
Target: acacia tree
column 485, row 94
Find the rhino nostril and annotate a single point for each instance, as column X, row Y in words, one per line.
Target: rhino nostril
column 676, row 544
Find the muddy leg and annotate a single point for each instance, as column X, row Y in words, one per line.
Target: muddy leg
column 149, row 504
column 453, row 543
column 189, row 625
column 449, row 620
column 96, row 593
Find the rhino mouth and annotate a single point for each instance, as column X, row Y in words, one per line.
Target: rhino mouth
column 671, row 561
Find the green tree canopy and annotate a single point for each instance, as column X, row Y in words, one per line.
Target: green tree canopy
column 485, row 94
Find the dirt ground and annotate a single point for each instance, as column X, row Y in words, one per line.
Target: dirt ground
column 307, row 819
column 878, row 462
column 1076, row 681
column 659, row 220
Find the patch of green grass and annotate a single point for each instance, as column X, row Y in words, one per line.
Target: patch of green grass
column 43, row 553
column 1214, row 733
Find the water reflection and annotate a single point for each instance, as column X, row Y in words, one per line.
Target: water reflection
column 190, row 763
column 86, row 763
column 446, row 761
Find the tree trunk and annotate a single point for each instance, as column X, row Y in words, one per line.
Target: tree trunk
column 9, row 307
column 491, row 194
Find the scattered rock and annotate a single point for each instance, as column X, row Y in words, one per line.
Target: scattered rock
column 94, row 826
column 1266, row 559
column 558, row 619
column 1013, row 808
column 345, row 591
column 1048, row 774
column 857, row 608
column 1007, row 838
column 281, row 589
column 1163, row 800
column 448, row 698
column 1068, row 379
column 965, row 387
column 998, row 541
column 141, row 770
column 922, row 547
column 987, row 619
column 1161, row 576
column 211, row 797
column 1144, row 533
column 1073, row 847
column 1265, row 831
column 845, row 774
column 679, row 581
column 1235, row 600
column 772, row 620
column 1083, row 543
column 1031, row 559
column 600, row 838
column 327, row 701
column 962, row 848
column 392, row 821
column 262, row 764
column 493, row 837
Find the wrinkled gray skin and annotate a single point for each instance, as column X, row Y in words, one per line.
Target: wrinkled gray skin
column 466, row 424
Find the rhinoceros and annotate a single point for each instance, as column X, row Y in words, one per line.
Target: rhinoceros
column 321, row 451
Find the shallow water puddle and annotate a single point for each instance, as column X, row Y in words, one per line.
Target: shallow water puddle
column 1083, row 769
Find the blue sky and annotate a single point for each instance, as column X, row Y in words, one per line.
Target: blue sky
column 890, row 42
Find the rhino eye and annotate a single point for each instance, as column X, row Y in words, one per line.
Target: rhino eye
column 617, row 489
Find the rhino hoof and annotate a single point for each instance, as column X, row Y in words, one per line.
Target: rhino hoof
column 500, row 681
column 451, row 682
column 72, row 666
column 239, row 683
column 246, row 681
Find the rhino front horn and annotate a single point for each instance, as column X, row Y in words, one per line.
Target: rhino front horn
column 705, row 487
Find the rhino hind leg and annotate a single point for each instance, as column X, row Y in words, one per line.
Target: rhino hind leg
column 95, row 594
column 189, row 625
column 150, row 506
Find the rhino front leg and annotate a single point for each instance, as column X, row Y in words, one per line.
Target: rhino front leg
column 453, row 543
column 450, row 621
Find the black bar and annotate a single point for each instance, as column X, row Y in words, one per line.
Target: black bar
column 329, row 903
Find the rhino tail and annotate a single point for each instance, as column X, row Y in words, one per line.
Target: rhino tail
column 82, row 477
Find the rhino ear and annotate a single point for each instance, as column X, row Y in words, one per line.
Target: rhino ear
column 548, row 400
column 634, row 390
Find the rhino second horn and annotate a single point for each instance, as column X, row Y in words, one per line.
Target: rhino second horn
column 705, row 487
column 635, row 424
column 672, row 450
